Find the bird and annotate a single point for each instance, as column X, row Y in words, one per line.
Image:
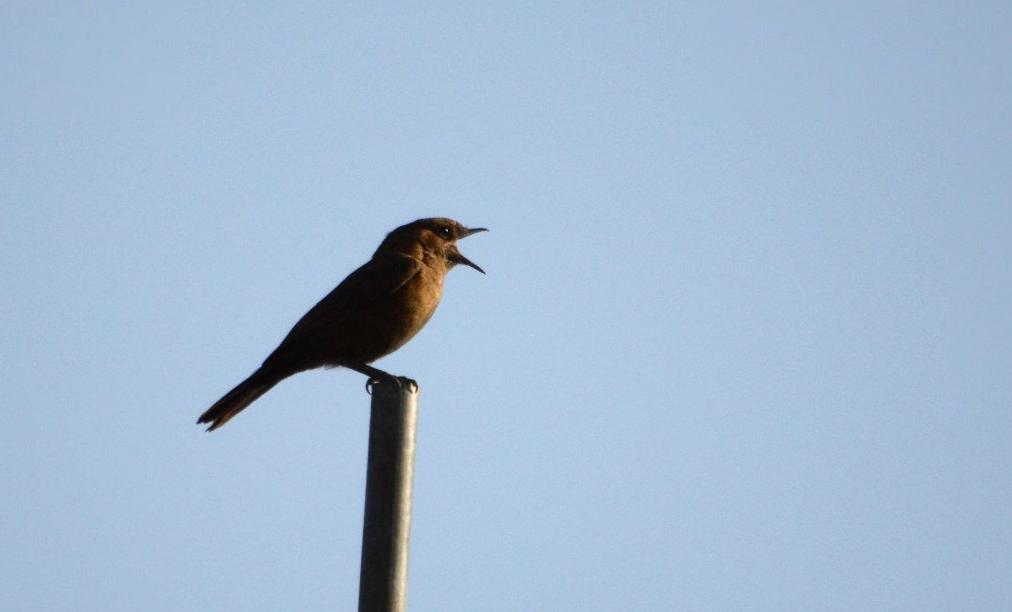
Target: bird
column 370, row 314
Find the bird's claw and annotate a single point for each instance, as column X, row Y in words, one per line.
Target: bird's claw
column 400, row 381
column 408, row 383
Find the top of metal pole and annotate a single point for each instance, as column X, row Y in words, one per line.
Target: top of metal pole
column 386, row 531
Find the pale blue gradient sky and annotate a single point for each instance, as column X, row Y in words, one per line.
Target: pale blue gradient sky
column 744, row 342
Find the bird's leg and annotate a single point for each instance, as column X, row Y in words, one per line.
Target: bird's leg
column 377, row 375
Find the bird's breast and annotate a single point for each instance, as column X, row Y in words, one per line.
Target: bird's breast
column 419, row 297
column 396, row 319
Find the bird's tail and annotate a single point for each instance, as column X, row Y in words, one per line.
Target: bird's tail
column 244, row 394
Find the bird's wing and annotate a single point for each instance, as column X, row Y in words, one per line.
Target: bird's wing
column 374, row 280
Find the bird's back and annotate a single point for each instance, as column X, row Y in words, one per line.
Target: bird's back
column 372, row 313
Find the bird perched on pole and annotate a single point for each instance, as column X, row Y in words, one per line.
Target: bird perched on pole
column 372, row 313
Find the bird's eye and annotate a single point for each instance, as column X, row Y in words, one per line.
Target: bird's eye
column 445, row 231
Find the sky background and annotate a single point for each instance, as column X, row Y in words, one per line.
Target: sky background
column 744, row 342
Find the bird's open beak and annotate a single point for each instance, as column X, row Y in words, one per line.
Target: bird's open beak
column 457, row 257
column 472, row 230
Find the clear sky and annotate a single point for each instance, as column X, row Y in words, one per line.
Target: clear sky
column 744, row 342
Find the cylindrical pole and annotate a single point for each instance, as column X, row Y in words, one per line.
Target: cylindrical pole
column 386, row 530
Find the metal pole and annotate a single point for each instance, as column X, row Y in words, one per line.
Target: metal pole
column 386, row 530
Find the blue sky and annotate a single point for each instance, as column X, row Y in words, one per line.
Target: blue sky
column 744, row 341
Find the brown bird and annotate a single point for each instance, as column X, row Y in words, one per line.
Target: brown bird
column 372, row 313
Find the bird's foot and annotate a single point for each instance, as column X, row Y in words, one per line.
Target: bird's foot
column 401, row 382
column 408, row 383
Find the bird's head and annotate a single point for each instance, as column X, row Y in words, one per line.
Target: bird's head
column 432, row 241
